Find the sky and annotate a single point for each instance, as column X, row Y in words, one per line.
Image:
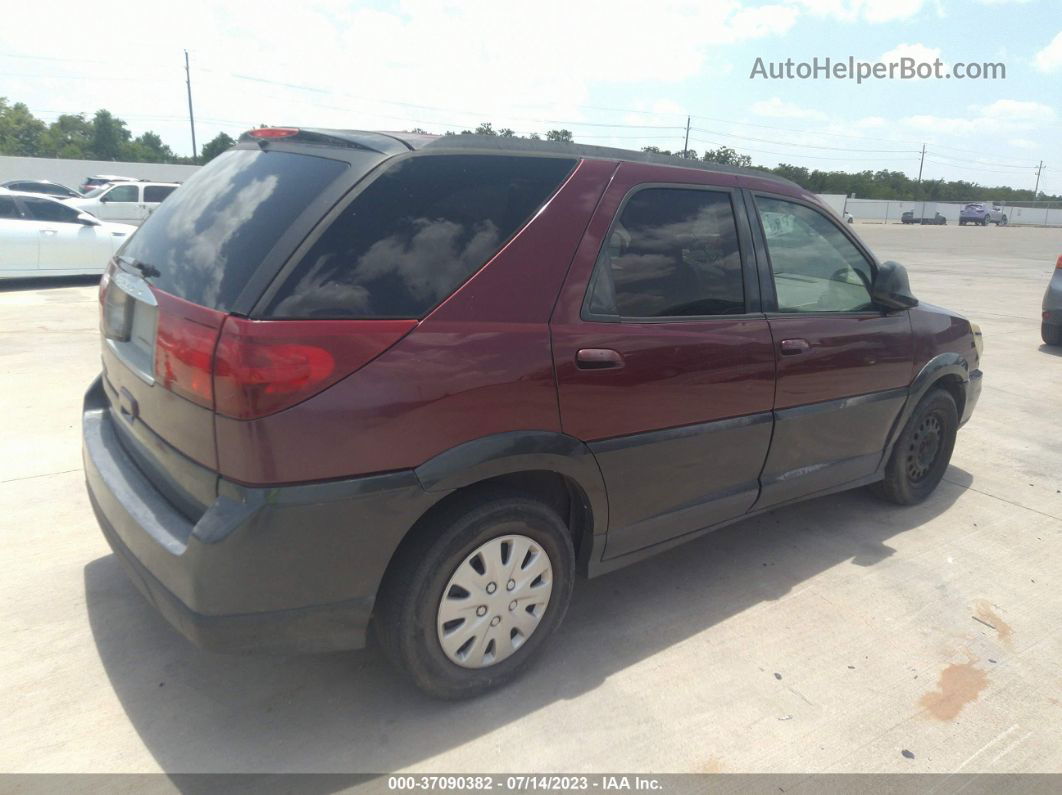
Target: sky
column 614, row 73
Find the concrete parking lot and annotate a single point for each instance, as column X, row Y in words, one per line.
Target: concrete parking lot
column 842, row 635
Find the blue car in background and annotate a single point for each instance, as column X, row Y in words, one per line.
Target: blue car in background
column 983, row 214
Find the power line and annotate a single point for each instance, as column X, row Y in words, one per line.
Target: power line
column 802, row 145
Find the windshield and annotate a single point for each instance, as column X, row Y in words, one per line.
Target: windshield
column 207, row 239
column 92, row 194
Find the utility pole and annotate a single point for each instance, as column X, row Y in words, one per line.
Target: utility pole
column 918, row 185
column 686, row 143
column 191, row 115
column 1039, row 168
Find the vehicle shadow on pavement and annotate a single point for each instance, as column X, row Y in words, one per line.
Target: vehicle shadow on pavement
column 350, row 712
column 51, row 282
column 1051, row 350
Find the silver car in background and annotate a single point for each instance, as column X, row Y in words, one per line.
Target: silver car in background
column 1051, row 325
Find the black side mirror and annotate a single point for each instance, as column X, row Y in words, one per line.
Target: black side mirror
column 892, row 288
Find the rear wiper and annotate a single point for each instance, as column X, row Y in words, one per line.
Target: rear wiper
column 148, row 271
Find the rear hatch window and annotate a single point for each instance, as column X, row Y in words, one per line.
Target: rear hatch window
column 206, row 240
column 415, row 234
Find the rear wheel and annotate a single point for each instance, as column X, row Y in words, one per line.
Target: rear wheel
column 923, row 450
column 466, row 608
column 985, row 221
column 1003, row 221
column 1051, row 333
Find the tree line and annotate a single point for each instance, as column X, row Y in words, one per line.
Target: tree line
column 104, row 136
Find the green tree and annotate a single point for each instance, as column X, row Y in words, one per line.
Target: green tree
column 656, row 150
column 109, row 135
column 21, row 133
column 68, row 136
column 147, row 148
column 727, row 156
column 564, row 136
column 485, row 129
column 215, row 146
column 505, row 132
column 534, row 137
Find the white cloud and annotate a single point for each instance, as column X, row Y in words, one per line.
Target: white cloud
column 1049, row 59
column 1023, row 143
column 1003, row 2
column 1016, row 110
column 920, row 53
column 780, row 109
column 866, row 10
column 1000, row 117
column 470, row 61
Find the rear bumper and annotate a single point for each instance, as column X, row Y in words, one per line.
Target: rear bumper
column 285, row 569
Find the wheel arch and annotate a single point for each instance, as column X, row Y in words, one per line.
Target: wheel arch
column 948, row 371
column 551, row 467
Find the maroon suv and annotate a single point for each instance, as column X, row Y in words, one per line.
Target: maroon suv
column 355, row 378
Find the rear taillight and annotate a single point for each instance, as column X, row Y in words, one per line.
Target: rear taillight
column 1058, row 264
column 185, row 338
column 105, row 280
column 264, row 366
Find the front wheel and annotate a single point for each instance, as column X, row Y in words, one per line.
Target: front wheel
column 1003, row 221
column 923, row 450
column 471, row 602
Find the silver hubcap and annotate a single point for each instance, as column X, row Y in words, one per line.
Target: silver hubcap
column 494, row 601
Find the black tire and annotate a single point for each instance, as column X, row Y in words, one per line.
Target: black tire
column 922, row 452
column 1003, row 221
column 405, row 619
column 985, row 221
column 1051, row 333
column 962, row 223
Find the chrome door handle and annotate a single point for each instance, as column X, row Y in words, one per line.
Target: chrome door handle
column 793, row 347
column 49, row 231
column 598, row 359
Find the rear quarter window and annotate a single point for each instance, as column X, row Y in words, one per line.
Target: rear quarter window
column 205, row 241
column 415, row 234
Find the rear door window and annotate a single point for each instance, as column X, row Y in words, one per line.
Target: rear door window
column 153, row 194
column 48, row 210
column 206, row 240
column 415, row 234
column 673, row 252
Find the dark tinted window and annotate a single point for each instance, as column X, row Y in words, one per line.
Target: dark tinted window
column 673, row 253
column 43, row 187
column 122, row 193
column 8, row 208
column 156, row 193
column 207, row 239
column 416, row 233
column 47, row 210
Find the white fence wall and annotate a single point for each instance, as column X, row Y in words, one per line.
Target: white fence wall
column 882, row 211
column 72, row 172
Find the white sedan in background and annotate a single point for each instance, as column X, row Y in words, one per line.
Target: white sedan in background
column 40, row 236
